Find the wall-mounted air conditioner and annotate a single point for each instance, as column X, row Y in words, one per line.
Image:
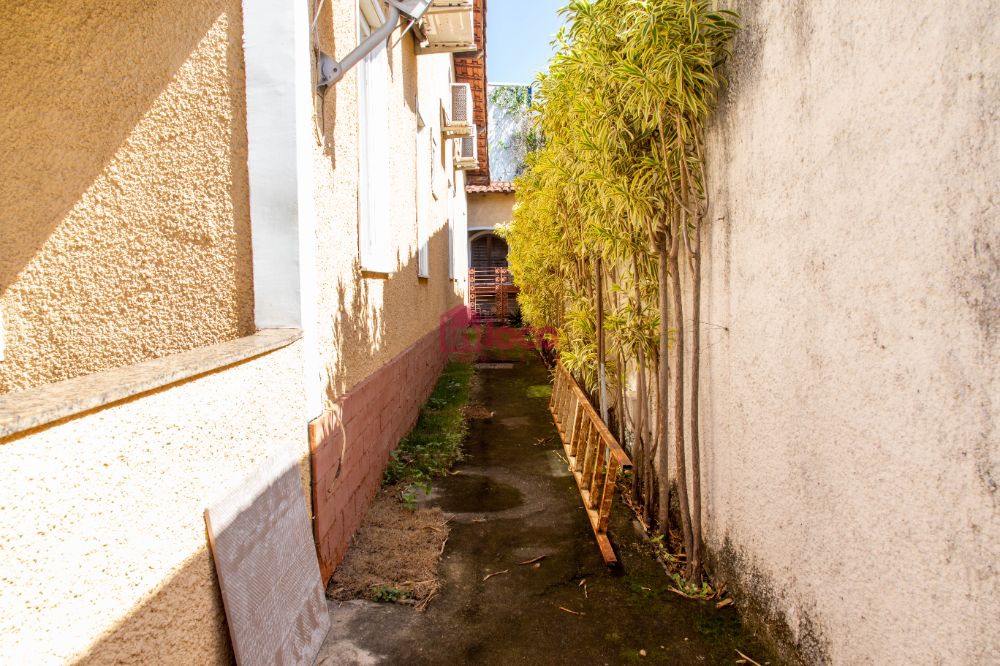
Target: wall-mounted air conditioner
column 467, row 151
column 458, row 119
column 447, row 27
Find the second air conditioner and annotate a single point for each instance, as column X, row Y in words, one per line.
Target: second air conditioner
column 467, row 151
column 458, row 119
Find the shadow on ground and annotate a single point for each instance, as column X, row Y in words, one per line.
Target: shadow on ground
column 512, row 501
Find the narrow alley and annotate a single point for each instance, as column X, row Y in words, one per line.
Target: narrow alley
column 512, row 500
column 249, row 249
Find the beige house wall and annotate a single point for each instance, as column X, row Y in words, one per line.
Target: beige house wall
column 125, row 201
column 851, row 322
column 365, row 319
column 103, row 551
column 486, row 211
column 124, row 224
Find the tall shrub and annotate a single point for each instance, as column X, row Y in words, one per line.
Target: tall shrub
column 619, row 182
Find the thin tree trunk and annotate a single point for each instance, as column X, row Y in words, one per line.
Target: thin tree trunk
column 653, row 445
column 663, row 405
column 640, row 399
column 693, row 247
column 620, row 409
column 602, row 373
column 694, row 563
column 678, row 388
column 639, row 487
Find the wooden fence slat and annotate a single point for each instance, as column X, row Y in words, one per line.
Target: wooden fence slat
column 596, row 476
column 575, row 429
column 581, row 447
column 608, row 494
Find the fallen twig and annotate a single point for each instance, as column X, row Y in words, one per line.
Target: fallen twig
column 746, row 659
column 724, row 603
column 573, row 612
column 443, row 544
column 497, row 573
column 533, row 560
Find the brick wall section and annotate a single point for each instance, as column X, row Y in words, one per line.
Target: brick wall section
column 350, row 445
column 471, row 68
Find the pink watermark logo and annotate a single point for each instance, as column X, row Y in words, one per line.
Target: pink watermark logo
column 463, row 333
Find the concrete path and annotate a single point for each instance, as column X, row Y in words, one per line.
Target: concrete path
column 513, row 500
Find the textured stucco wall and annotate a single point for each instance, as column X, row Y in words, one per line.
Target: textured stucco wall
column 103, row 552
column 851, row 329
column 365, row 320
column 123, row 187
column 140, row 247
column 489, row 210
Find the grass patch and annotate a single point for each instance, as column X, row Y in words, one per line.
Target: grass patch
column 543, row 391
column 435, row 443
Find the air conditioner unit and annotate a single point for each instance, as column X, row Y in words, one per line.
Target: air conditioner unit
column 458, row 119
column 447, row 27
column 467, row 151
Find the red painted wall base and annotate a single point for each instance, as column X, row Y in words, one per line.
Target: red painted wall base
column 350, row 445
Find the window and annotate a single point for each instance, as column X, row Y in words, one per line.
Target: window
column 425, row 166
column 451, row 230
column 373, row 182
column 434, row 172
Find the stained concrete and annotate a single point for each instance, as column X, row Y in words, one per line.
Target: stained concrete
column 512, row 500
column 850, row 374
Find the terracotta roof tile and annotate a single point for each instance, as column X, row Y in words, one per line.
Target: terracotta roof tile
column 498, row 187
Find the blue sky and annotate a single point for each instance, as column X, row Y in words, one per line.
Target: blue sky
column 518, row 33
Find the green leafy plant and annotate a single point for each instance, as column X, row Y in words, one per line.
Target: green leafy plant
column 611, row 206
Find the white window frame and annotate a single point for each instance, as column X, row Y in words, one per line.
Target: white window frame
column 451, row 230
column 374, row 233
column 425, row 167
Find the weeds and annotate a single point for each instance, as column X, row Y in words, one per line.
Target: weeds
column 386, row 594
column 435, row 443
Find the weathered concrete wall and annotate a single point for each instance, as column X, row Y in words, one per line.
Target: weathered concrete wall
column 489, row 210
column 851, row 329
column 123, row 189
column 103, row 551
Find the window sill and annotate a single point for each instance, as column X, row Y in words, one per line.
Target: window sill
column 33, row 408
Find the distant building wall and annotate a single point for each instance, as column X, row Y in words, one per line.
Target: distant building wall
column 489, row 210
column 851, row 320
column 123, row 190
column 365, row 319
column 471, row 68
